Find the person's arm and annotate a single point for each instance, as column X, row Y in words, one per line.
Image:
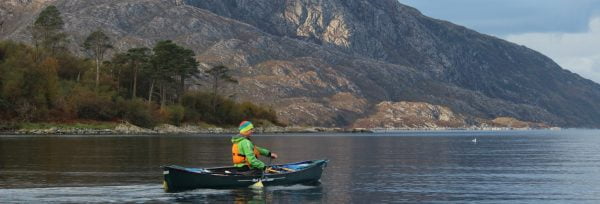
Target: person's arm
column 263, row 151
column 248, row 151
column 267, row 153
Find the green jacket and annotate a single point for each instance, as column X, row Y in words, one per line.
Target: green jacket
column 247, row 148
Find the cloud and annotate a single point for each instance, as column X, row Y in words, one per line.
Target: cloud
column 502, row 17
column 578, row 52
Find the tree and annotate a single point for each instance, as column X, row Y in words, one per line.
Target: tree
column 32, row 88
column 171, row 60
column 72, row 67
column 117, row 65
column 138, row 58
column 46, row 30
column 188, row 68
column 2, row 55
column 96, row 45
column 219, row 73
column 161, row 72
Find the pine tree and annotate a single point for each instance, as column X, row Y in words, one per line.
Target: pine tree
column 96, row 45
column 187, row 69
column 138, row 58
column 47, row 31
column 168, row 62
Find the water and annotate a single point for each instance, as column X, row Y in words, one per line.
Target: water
column 501, row 167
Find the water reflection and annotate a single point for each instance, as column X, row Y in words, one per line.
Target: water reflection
column 281, row 194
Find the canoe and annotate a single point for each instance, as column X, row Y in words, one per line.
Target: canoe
column 178, row 178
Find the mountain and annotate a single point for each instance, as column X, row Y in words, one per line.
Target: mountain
column 333, row 63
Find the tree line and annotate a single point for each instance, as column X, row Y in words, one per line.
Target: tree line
column 45, row 82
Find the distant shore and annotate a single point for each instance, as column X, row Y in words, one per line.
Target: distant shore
column 129, row 129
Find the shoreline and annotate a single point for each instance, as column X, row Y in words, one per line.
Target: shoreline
column 165, row 129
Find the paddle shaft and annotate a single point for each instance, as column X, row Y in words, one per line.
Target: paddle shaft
column 262, row 177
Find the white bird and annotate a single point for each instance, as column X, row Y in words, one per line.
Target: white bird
column 474, row 140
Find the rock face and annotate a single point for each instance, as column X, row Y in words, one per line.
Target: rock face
column 411, row 115
column 514, row 123
column 15, row 15
column 330, row 63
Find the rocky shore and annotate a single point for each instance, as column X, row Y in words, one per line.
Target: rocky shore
column 129, row 129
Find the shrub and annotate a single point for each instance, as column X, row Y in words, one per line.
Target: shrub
column 91, row 105
column 96, row 108
column 198, row 107
column 250, row 111
column 175, row 114
column 9, row 126
column 138, row 112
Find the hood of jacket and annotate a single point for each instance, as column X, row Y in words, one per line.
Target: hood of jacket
column 237, row 138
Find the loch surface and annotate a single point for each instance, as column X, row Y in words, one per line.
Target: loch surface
column 387, row 167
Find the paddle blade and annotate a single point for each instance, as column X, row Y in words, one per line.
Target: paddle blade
column 257, row 185
column 165, row 186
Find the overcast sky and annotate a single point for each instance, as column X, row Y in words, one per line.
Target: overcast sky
column 567, row 31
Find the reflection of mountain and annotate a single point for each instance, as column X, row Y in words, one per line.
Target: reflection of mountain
column 339, row 150
column 330, row 62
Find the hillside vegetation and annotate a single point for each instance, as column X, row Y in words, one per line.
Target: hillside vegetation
column 45, row 82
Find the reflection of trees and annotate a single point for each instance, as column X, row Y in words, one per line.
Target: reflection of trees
column 74, row 161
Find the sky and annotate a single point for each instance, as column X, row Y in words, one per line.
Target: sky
column 568, row 31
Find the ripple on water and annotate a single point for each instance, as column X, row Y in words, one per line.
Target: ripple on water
column 151, row 193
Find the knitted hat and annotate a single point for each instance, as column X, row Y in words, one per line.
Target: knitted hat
column 246, row 126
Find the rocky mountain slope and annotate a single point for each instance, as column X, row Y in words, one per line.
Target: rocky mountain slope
column 413, row 115
column 331, row 63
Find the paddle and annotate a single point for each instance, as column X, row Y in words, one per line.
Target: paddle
column 259, row 184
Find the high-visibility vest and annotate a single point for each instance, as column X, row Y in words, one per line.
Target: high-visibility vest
column 240, row 158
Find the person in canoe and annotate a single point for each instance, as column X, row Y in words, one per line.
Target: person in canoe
column 245, row 153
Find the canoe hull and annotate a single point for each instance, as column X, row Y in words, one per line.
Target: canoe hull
column 180, row 178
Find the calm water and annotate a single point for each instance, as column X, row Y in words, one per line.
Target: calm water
column 501, row 167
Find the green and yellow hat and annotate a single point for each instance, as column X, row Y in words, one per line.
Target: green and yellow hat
column 245, row 126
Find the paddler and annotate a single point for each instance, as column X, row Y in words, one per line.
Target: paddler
column 245, row 153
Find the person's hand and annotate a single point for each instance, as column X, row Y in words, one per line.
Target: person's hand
column 273, row 155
